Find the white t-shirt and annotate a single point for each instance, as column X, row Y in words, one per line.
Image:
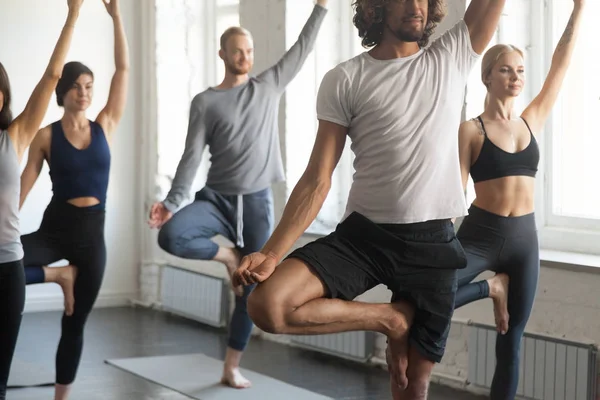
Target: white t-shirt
column 403, row 117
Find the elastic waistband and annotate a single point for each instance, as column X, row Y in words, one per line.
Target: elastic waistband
column 481, row 217
column 12, row 264
column 425, row 226
column 66, row 207
column 357, row 220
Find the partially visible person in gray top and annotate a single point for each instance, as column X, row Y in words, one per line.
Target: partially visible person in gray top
column 238, row 122
column 15, row 136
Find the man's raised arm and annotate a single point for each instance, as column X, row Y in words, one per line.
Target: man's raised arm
column 482, row 19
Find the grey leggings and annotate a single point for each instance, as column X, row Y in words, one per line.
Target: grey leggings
column 503, row 245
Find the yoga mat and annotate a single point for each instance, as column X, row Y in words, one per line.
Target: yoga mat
column 198, row 376
column 23, row 374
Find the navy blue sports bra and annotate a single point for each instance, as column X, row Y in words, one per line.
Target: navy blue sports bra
column 79, row 173
column 493, row 162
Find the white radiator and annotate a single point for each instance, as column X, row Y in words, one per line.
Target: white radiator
column 357, row 346
column 194, row 295
column 550, row 368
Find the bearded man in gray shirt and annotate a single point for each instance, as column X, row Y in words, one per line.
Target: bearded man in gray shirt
column 238, row 122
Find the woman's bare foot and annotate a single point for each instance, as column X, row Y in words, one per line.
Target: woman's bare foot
column 396, row 353
column 499, row 293
column 232, row 377
column 65, row 277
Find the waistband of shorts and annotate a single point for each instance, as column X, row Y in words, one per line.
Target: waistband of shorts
column 358, row 221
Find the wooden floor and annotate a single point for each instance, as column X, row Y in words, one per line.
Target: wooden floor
column 134, row 332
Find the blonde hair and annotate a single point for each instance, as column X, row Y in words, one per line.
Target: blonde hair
column 234, row 30
column 490, row 58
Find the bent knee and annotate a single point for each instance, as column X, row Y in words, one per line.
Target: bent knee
column 267, row 311
column 167, row 240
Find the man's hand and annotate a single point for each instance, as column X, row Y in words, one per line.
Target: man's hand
column 159, row 215
column 322, row 3
column 254, row 268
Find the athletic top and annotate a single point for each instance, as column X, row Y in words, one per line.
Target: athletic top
column 403, row 117
column 10, row 190
column 493, row 162
column 79, row 173
column 240, row 127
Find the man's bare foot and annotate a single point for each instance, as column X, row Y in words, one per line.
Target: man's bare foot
column 234, row 378
column 395, row 389
column 232, row 261
column 65, row 277
column 499, row 293
column 396, row 353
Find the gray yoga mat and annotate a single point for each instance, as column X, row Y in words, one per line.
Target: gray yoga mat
column 198, row 376
column 23, row 374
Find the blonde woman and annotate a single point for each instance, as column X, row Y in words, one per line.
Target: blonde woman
column 501, row 153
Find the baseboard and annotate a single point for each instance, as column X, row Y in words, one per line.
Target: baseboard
column 56, row 302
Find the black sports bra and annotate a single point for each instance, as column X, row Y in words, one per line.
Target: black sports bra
column 493, row 162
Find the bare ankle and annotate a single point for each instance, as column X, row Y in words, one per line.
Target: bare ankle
column 497, row 285
column 397, row 323
column 61, row 392
column 227, row 256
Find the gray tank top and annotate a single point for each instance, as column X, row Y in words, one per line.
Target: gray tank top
column 10, row 190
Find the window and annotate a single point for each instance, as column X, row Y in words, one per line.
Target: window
column 337, row 41
column 571, row 211
column 567, row 196
column 187, row 62
column 575, row 192
column 228, row 15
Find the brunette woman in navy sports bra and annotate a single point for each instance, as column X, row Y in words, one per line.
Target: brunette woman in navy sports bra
column 499, row 234
column 78, row 154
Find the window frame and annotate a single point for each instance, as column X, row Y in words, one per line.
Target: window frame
column 556, row 232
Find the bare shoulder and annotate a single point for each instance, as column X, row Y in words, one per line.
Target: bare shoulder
column 470, row 129
column 45, row 134
column 43, row 139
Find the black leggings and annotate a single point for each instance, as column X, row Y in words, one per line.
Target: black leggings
column 504, row 245
column 77, row 235
column 12, row 301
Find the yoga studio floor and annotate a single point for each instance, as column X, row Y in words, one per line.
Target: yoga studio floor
column 118, row 333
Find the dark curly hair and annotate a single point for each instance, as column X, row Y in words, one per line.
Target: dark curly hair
column 369, row 18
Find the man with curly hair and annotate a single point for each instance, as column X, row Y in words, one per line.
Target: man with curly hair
column 400, row 104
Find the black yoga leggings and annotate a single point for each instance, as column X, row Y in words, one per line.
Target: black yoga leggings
column 12, row 301
column 77, row 235
column 503, row 245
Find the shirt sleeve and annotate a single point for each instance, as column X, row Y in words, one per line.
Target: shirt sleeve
column 282, row 73
column 191, row 158
column 457, row 42
column 332, row 98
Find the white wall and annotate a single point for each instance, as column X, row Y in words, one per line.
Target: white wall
column 29, row 31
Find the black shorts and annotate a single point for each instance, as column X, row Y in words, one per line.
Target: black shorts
column 417, row 262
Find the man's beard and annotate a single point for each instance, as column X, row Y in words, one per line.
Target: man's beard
column 236, row 70
column 406, row 35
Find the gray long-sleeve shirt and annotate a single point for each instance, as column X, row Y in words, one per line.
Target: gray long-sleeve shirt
column 240, row 126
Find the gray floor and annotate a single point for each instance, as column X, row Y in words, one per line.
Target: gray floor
column 130, row 332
